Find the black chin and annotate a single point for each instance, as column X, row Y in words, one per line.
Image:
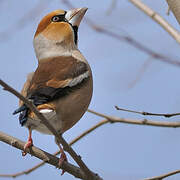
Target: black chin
column 75, row 28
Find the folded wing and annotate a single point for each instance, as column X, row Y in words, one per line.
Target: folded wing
column 54, row 78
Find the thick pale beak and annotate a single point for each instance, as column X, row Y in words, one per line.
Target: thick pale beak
column 75, row 16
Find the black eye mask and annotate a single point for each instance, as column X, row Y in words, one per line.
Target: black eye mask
column 59, row 18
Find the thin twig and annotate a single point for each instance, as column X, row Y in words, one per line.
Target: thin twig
column 163, row 176
column 111, row 7
column 148, row 113
column 158, row 19
column 28, row 171
column 140, row 73
column 46, row 157
column 82, row 165
column 144, row 122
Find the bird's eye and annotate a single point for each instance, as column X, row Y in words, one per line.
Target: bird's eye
column 59, row 18
column 55, row 19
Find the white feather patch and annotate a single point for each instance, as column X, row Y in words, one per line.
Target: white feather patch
column 45, row 110
column 78, row 79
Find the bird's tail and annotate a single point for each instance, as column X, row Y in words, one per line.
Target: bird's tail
column 23, row 110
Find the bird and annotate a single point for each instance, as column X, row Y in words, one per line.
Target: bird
column 62, row 85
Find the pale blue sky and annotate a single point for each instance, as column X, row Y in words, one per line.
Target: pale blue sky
column 115, row 151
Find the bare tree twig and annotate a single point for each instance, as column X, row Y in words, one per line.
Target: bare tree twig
column 88, row 174
column 158, row 19
column 144, row 122
column 140, row 72
column 25, row 172
column 148, row 113
column 111, row 7
column 46, row 157
column 163, row 176
column 28, row 171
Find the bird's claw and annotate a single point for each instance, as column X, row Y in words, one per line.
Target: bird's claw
column 28, row 144
column 62, row 159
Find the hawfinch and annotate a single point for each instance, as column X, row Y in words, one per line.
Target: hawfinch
column 61, row 87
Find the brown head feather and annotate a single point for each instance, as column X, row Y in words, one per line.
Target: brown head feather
column 47, row 21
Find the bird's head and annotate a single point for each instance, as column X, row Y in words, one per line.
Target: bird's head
column 57, row 31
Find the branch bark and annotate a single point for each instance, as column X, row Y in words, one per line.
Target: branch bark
column 46, row 157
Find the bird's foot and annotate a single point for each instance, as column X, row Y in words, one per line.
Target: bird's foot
column 62, row 159
column 28, row 144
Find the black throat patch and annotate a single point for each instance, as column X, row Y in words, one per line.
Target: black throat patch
column 75, row 29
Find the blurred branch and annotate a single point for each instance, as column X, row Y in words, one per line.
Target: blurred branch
column 140, row 72
column 127, row 39
column 148, row 113
column 111, row 7
column 46, row 157
column 164, row 175
column 88, row 174
column 134, row 43
column 174, row 6
column 157, row 18
column 28, row 171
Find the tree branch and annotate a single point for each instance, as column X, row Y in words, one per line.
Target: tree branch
column 140, row 73
column 148, row 113
column 158, row 19
column 28, row 171
column 46, row 157
column 88, row 174
column 144, row 122
column 111, row 7
column 163, row 176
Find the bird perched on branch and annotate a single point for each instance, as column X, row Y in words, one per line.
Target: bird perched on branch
column 61, row 87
